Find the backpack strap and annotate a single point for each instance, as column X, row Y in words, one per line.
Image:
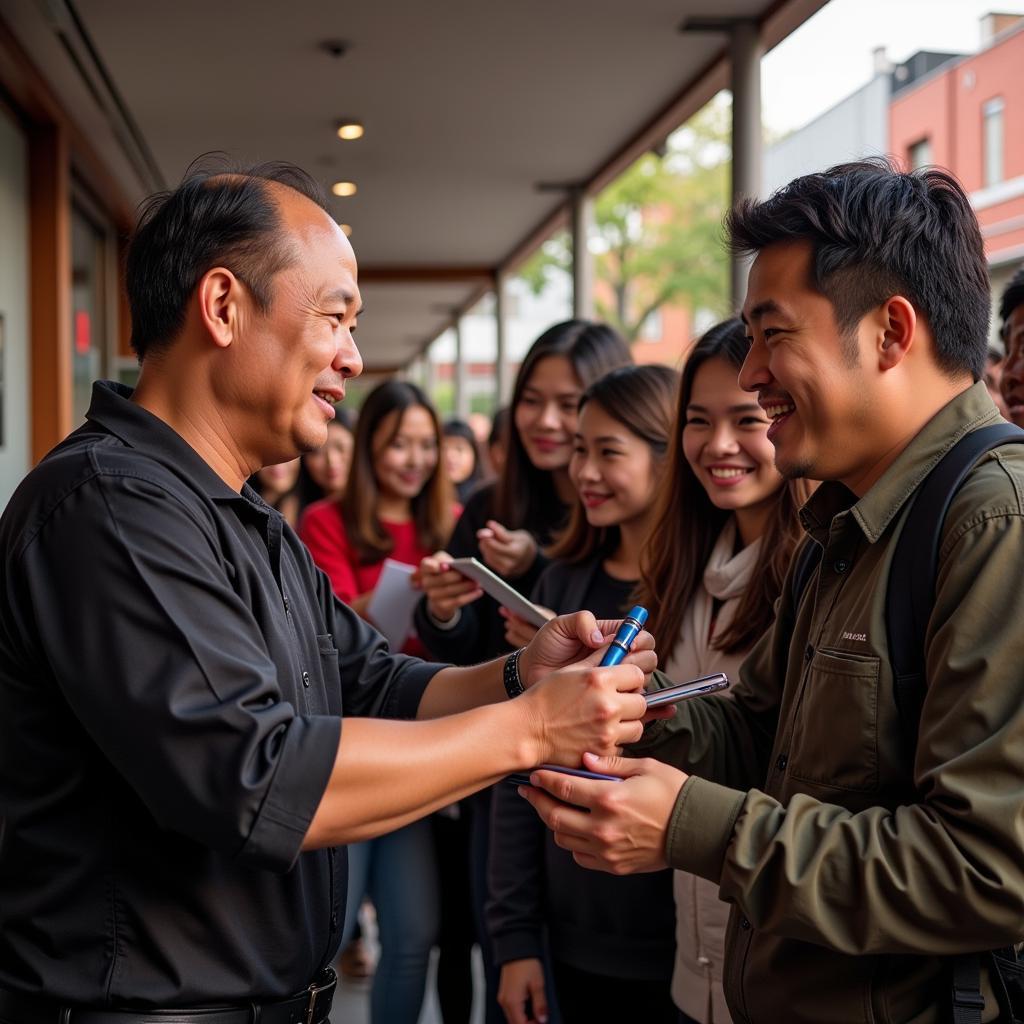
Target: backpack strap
column 910, row 592
column 909, row 599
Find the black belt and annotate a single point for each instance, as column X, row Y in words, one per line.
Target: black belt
column 311, row 1006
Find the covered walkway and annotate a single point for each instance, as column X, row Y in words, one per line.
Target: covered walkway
column 485, row 127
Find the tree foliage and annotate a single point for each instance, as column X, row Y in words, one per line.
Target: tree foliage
column 657, row 234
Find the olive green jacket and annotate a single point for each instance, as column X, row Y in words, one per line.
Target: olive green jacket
column 853, row 864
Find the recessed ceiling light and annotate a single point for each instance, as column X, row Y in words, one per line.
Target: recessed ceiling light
column 349, row 130
column 344, row 188
column 347, row 228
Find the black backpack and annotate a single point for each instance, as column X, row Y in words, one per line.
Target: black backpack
column 908, row 606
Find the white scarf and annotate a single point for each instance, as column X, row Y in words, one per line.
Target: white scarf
column 725, row 578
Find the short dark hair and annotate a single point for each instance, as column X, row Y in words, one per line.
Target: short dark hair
column 218, row 215
column 1013, row 296
column 876, row 232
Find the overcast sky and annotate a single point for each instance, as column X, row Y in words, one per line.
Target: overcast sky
column 830, row 55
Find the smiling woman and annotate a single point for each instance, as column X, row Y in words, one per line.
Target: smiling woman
column 398, row 502
column 725, row 532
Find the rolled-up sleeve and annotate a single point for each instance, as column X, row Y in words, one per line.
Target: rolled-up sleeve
column 167, row 670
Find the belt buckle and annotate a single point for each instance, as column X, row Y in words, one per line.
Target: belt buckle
column 315, row 991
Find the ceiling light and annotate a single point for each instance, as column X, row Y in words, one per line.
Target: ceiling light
column 349, row 130
column 344, row 188
column 347, row 228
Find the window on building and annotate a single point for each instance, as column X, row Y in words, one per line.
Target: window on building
column 992, row 122
column 920, row 154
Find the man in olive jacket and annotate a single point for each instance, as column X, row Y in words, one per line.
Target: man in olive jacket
column 856, row 867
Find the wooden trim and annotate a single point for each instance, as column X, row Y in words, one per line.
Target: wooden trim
column 39, row 105
column 49, row 286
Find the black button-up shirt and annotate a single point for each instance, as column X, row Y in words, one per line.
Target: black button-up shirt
column 173, row 673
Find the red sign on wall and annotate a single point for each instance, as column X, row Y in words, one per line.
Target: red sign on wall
column 83, row 332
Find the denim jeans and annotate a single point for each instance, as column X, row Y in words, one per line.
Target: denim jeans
column 398, row 871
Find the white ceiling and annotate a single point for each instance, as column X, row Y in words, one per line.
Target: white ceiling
column 468, row 105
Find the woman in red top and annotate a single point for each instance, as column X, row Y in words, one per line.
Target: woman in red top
column 398, row 504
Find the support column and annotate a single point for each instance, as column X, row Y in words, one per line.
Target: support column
column 746, row 51
column 461, row 376
column 582, row 212
column 502, row 382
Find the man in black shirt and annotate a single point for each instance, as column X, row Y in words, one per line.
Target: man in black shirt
column 176, row 787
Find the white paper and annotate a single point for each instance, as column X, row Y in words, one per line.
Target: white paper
column 393, row 602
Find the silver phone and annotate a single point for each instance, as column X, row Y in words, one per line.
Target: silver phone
column 694, row 688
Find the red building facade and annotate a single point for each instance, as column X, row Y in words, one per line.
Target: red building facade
column 968, row 116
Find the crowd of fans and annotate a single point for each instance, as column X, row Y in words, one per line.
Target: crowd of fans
column 603, row 484
column 857, row 868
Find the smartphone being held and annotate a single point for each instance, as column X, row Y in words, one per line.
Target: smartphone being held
column 523, row 778
column 683, row 691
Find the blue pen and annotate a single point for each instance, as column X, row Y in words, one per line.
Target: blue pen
column 625, row 635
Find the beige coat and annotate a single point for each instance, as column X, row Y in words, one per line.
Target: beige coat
column 701, row 917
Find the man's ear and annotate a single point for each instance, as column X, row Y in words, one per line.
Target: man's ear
column 898, row 329
column 220, row 294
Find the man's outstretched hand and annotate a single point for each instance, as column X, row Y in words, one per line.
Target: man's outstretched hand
column 579, row 640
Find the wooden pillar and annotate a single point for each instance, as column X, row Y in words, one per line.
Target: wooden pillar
column 50, row 287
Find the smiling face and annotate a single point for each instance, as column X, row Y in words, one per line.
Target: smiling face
column 725, row 441
column 291, row 363
column 807, row 376
column 405, row 452
column 612, row 469
column 1012, row 382
column 545, row 416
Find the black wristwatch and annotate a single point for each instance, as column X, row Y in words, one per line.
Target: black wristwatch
column 510, row 675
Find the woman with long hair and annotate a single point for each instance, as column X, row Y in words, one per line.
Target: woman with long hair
column 398, row 504
column 506, row 524
column 725, row 533
column 611, row 939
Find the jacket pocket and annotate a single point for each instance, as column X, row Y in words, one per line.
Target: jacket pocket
column 835, row 735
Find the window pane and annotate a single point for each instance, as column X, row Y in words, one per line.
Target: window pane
column 992, row 112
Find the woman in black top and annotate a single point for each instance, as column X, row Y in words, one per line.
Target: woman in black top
column 505, row 524
column 611, row 939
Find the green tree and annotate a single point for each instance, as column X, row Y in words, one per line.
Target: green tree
column 658, row 230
